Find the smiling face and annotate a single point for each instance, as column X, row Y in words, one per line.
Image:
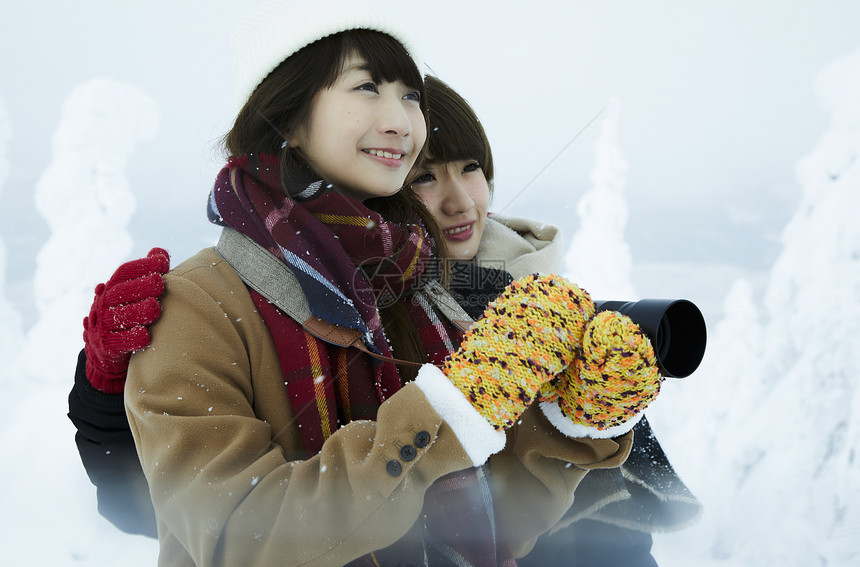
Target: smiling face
column 363, row 136
column 457, row 195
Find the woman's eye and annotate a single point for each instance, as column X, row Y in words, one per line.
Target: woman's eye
column 424, row 178
column 372, row 87
column 413, row 96
column 470, row 167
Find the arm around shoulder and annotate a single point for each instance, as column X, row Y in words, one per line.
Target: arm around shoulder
column 221, row 448
column 107, row 451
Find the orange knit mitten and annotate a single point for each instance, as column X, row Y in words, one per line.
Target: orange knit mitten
column 612, row 380
column 521, row 343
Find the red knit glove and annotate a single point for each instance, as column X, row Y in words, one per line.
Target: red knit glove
column 116, row 325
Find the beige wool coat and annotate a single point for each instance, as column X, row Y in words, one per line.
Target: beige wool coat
column 220, row 447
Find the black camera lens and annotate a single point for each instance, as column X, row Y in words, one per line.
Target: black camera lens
column 675, row 327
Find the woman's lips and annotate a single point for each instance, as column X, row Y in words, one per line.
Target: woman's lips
column 460, row 232
column 391, row 158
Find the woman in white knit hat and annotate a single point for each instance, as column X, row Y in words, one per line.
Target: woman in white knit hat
column 271, row 437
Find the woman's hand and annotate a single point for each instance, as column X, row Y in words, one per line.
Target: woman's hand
column 526, row 338
column 611, row 381
column 121, row 310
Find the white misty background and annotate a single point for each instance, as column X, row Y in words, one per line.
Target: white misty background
column 10, row 320
column 85, row 198
column 765, row 432
column 598, row 258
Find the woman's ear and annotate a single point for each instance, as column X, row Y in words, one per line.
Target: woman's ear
column 293, row 137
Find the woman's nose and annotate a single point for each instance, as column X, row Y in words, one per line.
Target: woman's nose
column 393, row 118
column 456, row 199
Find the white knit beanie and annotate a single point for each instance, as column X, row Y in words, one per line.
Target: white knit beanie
column 279, row 28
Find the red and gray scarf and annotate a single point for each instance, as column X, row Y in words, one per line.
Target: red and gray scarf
column 346, row 258
column 322, row 235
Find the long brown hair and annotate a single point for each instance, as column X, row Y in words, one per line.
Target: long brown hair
column 454, row 133
column 282, row 102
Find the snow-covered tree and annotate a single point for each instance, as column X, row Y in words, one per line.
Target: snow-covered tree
column 813, row 303
column 10, row 320
column 776, row 440
column 84, row 196
column 598, row 258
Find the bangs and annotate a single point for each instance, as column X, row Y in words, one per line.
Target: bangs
column 387, row 60
column 452, row 139
column 455, row 134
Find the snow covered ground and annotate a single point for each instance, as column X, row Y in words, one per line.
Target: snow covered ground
column 765, row 432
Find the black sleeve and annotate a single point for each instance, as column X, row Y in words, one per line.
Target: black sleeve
column 107, row 451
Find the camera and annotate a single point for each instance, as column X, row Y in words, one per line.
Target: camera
column 675, row 327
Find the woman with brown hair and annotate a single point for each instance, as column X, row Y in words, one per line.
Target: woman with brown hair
column 268, row 412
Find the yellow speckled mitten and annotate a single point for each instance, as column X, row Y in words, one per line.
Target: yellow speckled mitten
column 523, row 340
column 612, row 380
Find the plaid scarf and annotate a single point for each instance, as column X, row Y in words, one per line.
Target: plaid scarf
column 321, row 235
column 347, row 258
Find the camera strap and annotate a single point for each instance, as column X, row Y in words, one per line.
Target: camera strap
column 266, row 274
